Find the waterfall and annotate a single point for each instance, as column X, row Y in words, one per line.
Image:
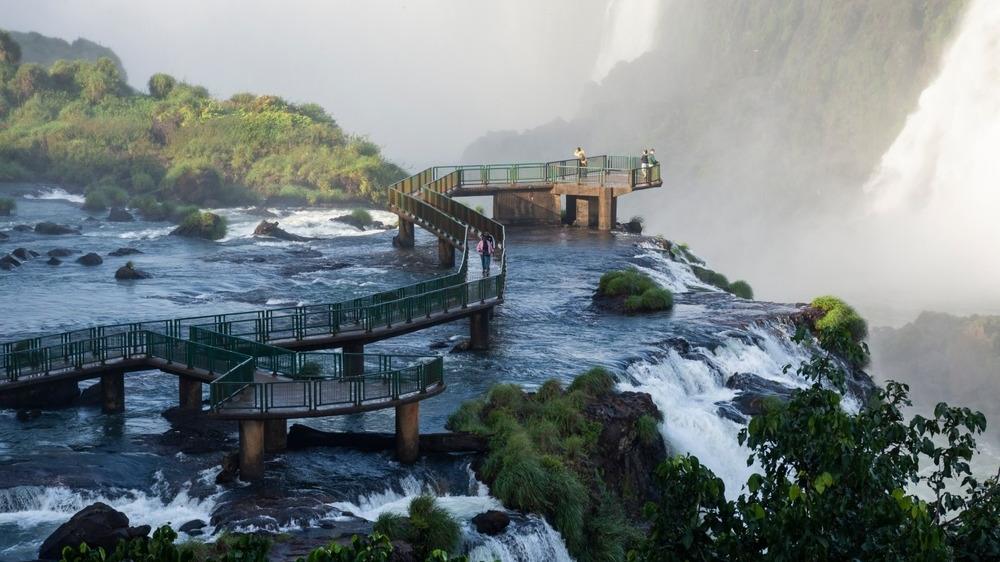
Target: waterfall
column 629, row 31
column 935, row 191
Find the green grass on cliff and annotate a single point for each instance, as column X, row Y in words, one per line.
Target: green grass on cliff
column 641, row 293
column 539, row 461
column 427, row 527
column 78, row 122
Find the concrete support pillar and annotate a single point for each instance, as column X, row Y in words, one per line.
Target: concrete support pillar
column 606, row 210
column 113, row 392
column 275, row 435
column 354, row 360
column 251, row 449
column 190, row 393
column 532, row 208
column 405, row 237
column 479, row 330
column 570, row 209
column 446, row 254
column 408, row 432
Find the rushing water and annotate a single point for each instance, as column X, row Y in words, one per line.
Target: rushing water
column 52, row 466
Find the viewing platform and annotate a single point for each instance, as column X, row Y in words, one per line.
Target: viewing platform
column 259, row 365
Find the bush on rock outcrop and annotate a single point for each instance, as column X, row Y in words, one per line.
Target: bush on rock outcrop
column 204, row 224
column 632, row 291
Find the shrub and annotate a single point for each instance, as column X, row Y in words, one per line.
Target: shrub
column 710, row 277
column 656, row 299
column 741, row 289
column 203, row 225
column 647, row 428
column 7, row 206
column 595, row 383
column 839, row 317
column 361, row 216
column 160, row 85
column 192, row 182
column 641, row 293
column 428, row 527
column 104, row 194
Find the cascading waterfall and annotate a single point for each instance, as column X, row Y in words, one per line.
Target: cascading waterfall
column 629, row 31
column 935, row 192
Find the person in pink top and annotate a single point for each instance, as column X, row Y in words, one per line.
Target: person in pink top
column 486, row 247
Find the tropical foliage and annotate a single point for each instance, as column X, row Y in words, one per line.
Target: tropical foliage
column 641, row 293
column 78, row 122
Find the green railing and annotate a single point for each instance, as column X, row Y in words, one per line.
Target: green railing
column 238, row 345
column 382, row 378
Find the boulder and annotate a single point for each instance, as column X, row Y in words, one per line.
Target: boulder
column 209, row 226
column 60, row 252
column 354, row 221
column 54, row 261
column 22, row 228
column 193, row 527
column 118, row 214
column 90, row 259
column 28, row 415
column 124, row 252
column 491, row 522
column 23, row 254
column 230, row 468
column 91, row 396
column 57, row 394
column 262, row 212
column 9, row 262
column 98, row 525
column 91, row 219
column 403, row 551
column 3, row 236
column 271, row 229
column 128, row 273
column 754, row 392
column 54, row 229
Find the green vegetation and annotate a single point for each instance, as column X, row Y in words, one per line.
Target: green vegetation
column 202, row 225
column 640, row 292
column 648, row 429
column 79, row 123
column 361, row 216
column 7, row 206
column 428, row 528
column 540, row 460
column 741, row 289
column 239, row 548
column 834, row 485
column 841, row 330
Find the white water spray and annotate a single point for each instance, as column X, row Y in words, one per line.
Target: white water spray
column 629, row 31
column 936, row 193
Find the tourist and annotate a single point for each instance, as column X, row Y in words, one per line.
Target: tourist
column 486, row 247
column 581, row 163
column 644, row 164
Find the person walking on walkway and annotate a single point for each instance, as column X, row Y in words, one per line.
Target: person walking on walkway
column 486, row 247
column 644, row 164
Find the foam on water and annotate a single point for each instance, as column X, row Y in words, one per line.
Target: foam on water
column 56, row 193
column 27, row 507
column 311, row 223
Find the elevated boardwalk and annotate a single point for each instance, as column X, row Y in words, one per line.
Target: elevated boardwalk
column 259, row 364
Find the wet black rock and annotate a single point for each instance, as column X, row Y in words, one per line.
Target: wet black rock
column 28, row 415
column 118, row 214
column 3, row 236
column 193, row 527
column 230, row 468
column 91, row 396
column 491, row 522
column 192, row 432
column 90, row 259
column 60, row 252
column 8, row 263
column 97, row 525
column 403, row 551
column 54, row 229
column 54, row 261
column 22, row 228
column 441, row 344
column 754, row 392
column 272, row 230
column 59, row 394
column 23, row 254
column 127, row 273
column 124, row 252
column 262, row 212
column 314, row 265
column 91, row 219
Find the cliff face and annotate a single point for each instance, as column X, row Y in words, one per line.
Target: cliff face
column 945, row 358
column 38, row 48
column 756, row 108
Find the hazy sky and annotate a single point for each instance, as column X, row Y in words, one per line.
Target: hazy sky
column 421, row 78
